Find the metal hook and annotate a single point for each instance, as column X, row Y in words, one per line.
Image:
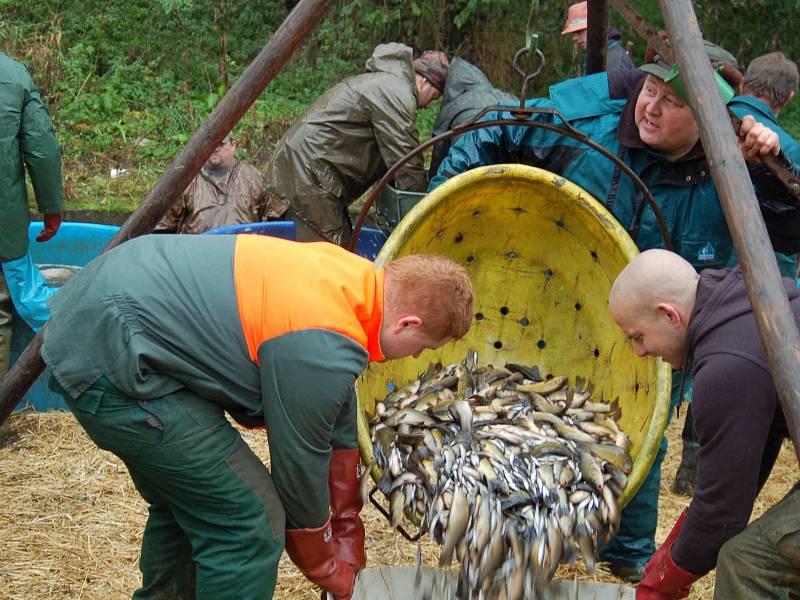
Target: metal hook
column 526, row 77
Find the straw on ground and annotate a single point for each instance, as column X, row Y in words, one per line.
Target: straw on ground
column 71, row 521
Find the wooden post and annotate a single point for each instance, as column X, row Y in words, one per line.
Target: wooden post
column 297, row 25
column 776, row 323
column 597, row 36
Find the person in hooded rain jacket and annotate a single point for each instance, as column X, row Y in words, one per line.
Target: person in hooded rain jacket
column 351, row 136
column 705, row 324
column 639, row 117
column 467, row 92
column 27, row 142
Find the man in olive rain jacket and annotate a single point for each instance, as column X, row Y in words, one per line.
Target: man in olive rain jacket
column 351, row 136
column 27, row 140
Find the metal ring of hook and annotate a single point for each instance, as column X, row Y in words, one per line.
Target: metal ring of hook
column 519, row 69
column 527, row 77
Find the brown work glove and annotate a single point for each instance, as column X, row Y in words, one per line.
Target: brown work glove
column 313, row 552
column 52, row 221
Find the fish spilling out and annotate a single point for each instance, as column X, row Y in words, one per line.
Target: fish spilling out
column 511, row 473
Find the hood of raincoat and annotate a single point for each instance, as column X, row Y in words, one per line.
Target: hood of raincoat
column 467, row 92
column 396, row 59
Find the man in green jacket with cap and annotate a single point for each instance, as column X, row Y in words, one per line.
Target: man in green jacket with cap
column 643, row 117
column 27, row 141
column 351, row 136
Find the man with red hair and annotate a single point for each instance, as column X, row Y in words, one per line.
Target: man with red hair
column 275, row 336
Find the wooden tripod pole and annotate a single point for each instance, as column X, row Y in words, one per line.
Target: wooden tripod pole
column 297, row 25
column 596, row 36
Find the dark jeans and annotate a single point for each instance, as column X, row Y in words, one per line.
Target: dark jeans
column 635, row 543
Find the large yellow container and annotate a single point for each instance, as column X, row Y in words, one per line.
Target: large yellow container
column 542, row 255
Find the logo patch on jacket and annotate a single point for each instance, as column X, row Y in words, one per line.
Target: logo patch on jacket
column 707, row 253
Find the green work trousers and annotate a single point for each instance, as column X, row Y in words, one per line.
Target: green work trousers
column 215, row 528
column 5, row 325
column 763, row 561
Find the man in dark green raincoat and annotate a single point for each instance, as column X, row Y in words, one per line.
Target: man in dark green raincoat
column 27, row 140
column 351, row 136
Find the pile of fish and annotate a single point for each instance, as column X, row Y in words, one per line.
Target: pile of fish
column 511, row 473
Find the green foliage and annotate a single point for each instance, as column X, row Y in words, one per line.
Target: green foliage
column 128, row 82
column 790, row 119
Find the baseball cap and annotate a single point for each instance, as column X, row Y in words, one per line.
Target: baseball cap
column 718, row 56
column 577, row 18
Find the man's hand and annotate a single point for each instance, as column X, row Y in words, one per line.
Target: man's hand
column 757, row 140
column 52, row 221
column 663, row 579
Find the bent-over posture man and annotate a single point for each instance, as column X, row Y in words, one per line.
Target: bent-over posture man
column 154, row 342
column 705, row 325
column 466, row 93
column 351, row 136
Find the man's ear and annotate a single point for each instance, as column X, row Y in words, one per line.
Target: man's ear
column 671, row 313
column 412, row 321
column 785, row 103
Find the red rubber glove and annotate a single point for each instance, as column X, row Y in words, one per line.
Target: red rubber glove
column 663, row 579
column 313, row 552
column 52, row 221
column 348, row 529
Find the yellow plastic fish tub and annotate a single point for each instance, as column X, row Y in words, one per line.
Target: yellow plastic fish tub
column 542, row 255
